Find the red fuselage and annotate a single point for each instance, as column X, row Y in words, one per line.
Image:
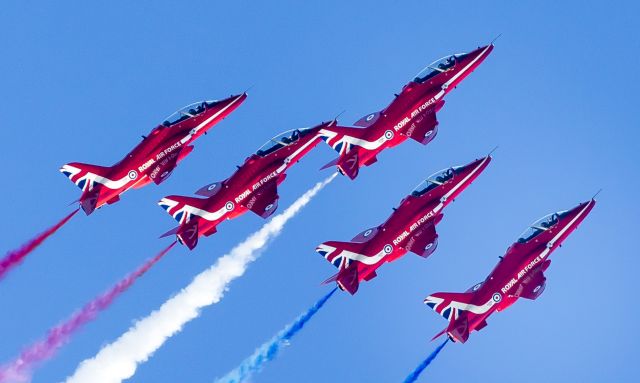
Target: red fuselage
column 252, row 187
column 519, row 274
column 411, row 227
column 412, row 114
column 153, row 159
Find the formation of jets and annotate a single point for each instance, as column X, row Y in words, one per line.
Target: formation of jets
column 410, row 228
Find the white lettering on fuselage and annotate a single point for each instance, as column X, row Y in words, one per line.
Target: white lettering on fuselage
column 256, row 186
column 521, row 274
column 146, row 165
column 242, row 195
column 264, row 180
column 151, row 161
column 401, row 237
column 414, row 226
column 414, row 113
column 168, row 150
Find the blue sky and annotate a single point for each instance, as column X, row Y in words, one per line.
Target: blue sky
column 82, row 82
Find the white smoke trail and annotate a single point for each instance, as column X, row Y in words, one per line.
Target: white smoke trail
column 119, row 360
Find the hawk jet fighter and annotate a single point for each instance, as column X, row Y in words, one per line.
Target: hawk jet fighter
column 252, row 187
column 519, row 274
column 411, row 227
column 412, row 114
column 153, row 159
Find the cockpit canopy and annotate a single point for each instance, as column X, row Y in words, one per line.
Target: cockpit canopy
column 543, row 224
column 188, row 111
column 281, row 140
column 439, row 66
column 435, row 180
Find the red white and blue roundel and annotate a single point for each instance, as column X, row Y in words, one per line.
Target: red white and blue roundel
column 175, row 209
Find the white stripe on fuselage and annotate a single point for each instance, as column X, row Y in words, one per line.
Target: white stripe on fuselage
column 485, row 307
column 458, row 186
column 109, row 183
column 455, row 77
column 365, row 259
column 205, row 122
column 462, row 306
column 293, row 155
column 206, row 215
column 369, row 145
column 550, row 244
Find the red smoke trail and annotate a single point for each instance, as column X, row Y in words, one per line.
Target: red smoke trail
column 15, row 257
column 19, row 370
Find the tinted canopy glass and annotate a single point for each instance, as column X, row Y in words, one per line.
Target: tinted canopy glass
column 281, row 140
column 188, row 111
column 543, row 224
column 439, row 66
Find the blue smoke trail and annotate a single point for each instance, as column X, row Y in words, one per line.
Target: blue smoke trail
column 416, row 373
column 269, row 350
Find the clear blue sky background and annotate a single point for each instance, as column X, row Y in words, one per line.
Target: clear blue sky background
column 559, row 94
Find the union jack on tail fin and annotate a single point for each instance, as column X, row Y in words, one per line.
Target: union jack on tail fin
column 84, row 175
column 458, row 309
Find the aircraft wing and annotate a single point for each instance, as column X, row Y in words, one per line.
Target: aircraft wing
column 423, row 241
column 533, row 285
column 265, row 201
column 425, row 126
column 163, row 168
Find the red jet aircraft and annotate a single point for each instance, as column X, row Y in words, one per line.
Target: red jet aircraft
column 153, row 159
column 519, row 274
column 412, row 114
column 252, row 187
column 411, row 227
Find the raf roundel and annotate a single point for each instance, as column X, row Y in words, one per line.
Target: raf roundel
column 211, row 187
column 496, row 297
column 229, row 206
column 370, row 117
column 388, row 134
column 132, row 174
column 269, row 207
column 387, row 249
column 367, row 233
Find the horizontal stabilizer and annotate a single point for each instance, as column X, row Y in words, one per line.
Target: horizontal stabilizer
column 368, row 120
column 209, row 190
column 331, row 164
column 171, row 232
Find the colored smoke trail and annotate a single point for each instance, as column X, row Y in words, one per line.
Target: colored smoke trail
column 15, row 257
column 20, row 369
column 269, row 350
column 120, row 359
column 415, row 374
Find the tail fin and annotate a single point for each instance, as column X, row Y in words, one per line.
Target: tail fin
column 334, row 252
column 341, row 138
column 344, row 256
column 455, row 307
column 84, row 175
column 346, row 142
column 181, row 208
